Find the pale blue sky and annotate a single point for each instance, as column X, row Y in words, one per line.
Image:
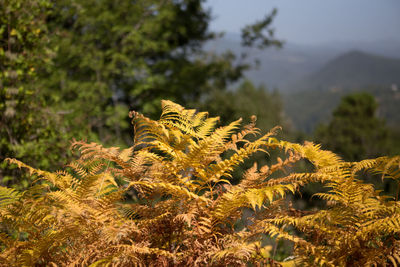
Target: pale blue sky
column 313, row 21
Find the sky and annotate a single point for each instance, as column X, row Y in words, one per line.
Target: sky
column 313, row 21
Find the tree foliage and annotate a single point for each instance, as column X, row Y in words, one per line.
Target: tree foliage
column 260, row 33
column 247, row 100
column 119, row 55
column 74, row 68
column 354, row 131
column 29, row 128
column 185, row 209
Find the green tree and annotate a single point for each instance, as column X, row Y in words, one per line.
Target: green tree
column 113, row 56
column 74, row 68
column 29, row 129
column 355, row 132
column 245, row 101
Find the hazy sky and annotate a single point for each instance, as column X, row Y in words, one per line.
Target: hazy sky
column 313, row 21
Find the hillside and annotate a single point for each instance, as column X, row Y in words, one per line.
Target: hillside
column 354, row 69
column 277, row 67
column 312, row 79
column 298, row 64
column 312, row 99
column 306, row 109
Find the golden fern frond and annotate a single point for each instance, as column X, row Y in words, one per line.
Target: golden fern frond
column 39, row 250
column 176, row 116
column 212, row 145
column 257, row 196
column 206, row 126
column 189, row 121
column 366, row 164
column 171, row 189
column 350, row 192
column 8, row 196
column 187, row 218
column 389, row 225
column 168, row 107
column 167, row 201
column 318, row 157
column 225, row 167
column 300, row 179
column 221, row 134
column 252, row 177
column 388, row 167
column 138, row 165
column 145, row 130
column 241, row 136
column 53, row 178
column 93, row 185
column 167, row 149
column 91, row 153
column 198, row 119
column 78, row 169
column 153, row 221
column 254, row 198
column 92, row 150
column 274, row 231
column 240, row 250
column 137, row 211
column 134, row 250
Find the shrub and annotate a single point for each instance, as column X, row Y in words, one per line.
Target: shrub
column 167, row 201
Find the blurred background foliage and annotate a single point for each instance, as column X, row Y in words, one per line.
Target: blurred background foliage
column 354, row 131
column 74, row 69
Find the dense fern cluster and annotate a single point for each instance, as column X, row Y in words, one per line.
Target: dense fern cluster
column 167, row 201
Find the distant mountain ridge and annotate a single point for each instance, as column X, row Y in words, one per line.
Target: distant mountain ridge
column 277, row 67
column 313, row 78
column 320, row 92
column 354, row 69
column 287, row 68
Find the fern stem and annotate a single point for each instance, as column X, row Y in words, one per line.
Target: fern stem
column 276, row 245
column 102, row 178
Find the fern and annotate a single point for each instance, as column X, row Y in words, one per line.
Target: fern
column 168, row 201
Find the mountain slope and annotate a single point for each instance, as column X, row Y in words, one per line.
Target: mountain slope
column 277, row 67
column 354, row 69
column 312, row 100
column 295, row 64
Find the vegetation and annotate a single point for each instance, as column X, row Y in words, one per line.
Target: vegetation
column 184, row 211
column 355, row 132
column 247, row 100
column 118, row 56
column 73, row 69
column 314, row 98
column 180, row 191
column 29, row 127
